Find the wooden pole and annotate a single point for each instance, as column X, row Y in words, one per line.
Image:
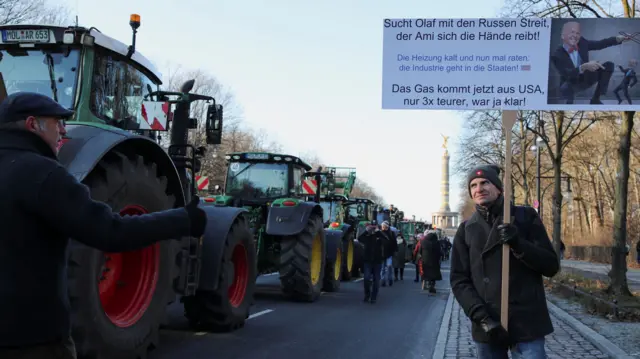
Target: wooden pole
column 508, row 120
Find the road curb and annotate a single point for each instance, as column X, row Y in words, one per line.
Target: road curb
column 441, row 342
column 596, row 339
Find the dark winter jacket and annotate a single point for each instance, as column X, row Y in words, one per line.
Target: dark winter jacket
column 41, row 207
column 400, row 257
column 373, row 243
column 476, row 270
column 431, row 253
column 391, row 246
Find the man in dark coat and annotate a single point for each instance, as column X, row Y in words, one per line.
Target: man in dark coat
column 431, row 255
column 43, row 206
column 373, row 241
column 476, row 272
column 577, row 73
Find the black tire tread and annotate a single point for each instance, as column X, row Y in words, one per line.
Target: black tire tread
column 209, row 310
column 295, row 262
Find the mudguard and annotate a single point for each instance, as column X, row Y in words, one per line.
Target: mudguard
column 219, row 222
column 289, row 221
column 87, row 144
column 333, row 241
column 345, row 228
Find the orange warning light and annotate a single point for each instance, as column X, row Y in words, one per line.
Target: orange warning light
column 134, row 18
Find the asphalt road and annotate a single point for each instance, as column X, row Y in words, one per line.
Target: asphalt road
column 404, row 323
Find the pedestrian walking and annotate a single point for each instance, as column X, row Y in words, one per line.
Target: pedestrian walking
column 400, row 258
column 390, row 248
column 431, row 256
column 373, row 241
column 638, row 251
column 476, row 272
column 42, row 206
column 417, row 260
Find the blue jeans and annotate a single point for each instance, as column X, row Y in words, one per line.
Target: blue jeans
column 372, row 274
column 525, row 350
column 387, row 271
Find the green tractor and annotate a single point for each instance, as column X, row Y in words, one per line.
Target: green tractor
column 287, row 224
column 113, row 145
column 359, row 213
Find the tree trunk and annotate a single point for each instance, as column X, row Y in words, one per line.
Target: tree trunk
column 618, row 273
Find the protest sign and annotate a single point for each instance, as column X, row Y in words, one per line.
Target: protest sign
column 511, row 64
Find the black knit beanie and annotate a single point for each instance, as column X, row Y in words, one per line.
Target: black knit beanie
column 489, row 172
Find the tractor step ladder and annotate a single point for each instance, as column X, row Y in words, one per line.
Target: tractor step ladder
column 190, row 261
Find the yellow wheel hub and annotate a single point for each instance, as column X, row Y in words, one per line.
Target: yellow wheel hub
column 337, row 267
column 350, row 256
column 316, row 258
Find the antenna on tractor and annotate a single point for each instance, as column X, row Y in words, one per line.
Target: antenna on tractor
column 134, row 21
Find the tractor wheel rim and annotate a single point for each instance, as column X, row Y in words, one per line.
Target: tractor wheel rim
column 238, row 287
column 337, row 267
column 128, row 280
column 350, row 256
column 316, row 259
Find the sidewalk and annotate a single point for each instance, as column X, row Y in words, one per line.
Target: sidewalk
column 600, row 271
column 454, row 339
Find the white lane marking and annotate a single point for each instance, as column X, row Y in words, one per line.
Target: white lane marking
column 201, row 333
column 358, row 280
column 255, row 315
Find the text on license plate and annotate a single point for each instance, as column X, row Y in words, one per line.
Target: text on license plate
column 25, row 35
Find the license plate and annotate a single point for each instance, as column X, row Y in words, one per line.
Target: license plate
column 26, row 35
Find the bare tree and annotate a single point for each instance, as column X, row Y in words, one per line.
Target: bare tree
column 598, row 9
column 41, row 12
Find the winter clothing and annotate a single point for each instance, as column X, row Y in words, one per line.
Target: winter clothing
column 489, row 172
column 431, row 253
column 476, row 270
column 390, row 248
column 373, row 241
column 43, row 206
column 401, row 254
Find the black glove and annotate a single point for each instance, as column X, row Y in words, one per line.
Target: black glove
column 498, row 336
column 508, row 234
column 197, row 217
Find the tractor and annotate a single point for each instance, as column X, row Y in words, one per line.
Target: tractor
column 113, row 146
column 360, row 212
column 287, row 224
column 334, row 205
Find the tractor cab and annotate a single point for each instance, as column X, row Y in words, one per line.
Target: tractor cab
column 107, row 83
column 255, row 179
column 333, row 207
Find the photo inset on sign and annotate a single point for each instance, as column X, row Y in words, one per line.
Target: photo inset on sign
column 594, row 62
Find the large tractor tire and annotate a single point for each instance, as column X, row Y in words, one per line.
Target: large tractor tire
column 348, row 249
column 119, row 300
column 227, row 308
column 302, row 261
column 333, row 271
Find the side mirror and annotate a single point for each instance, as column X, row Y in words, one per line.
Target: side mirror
column 213, row 127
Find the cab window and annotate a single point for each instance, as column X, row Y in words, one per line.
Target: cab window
column 118, row 90
column 297, row 180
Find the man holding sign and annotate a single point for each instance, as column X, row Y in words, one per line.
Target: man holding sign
column 476, row 267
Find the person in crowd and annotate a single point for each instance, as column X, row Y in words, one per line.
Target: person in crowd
column 431, row 254
column 43, row 205
column 417, row 257
column 399, row 259
column 476, row 271
column 638, row 251
column 374, row 242
column 390, row 248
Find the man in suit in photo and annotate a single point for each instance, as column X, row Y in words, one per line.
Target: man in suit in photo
column 577, row 73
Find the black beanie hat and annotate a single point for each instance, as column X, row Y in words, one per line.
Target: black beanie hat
column 489, row 172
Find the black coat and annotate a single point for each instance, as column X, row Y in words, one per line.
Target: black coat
column 391, row 245
column 373, row 243
column 42, row 207
column 431, row 253
column 476, row 275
